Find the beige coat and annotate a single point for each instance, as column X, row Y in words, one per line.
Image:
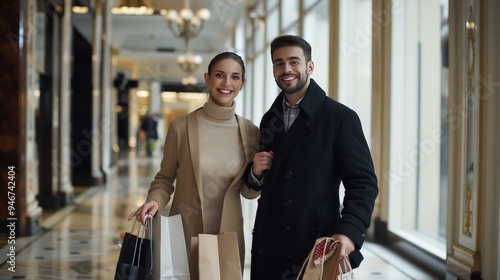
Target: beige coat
column 181, row 164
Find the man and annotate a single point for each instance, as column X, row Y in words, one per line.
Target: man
column 309, row 143
column 149, row 126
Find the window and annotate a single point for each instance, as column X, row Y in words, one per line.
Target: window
column 259, row 87
column 355, row 56
column 308, row 3
column 418, row 160
column 272, row 25
column 316, row 32
column 289, row 13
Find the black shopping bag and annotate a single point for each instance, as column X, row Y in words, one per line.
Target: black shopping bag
column 136, row 255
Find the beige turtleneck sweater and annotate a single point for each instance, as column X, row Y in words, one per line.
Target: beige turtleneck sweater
column 220, row 159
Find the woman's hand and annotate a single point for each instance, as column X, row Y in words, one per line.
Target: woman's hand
column 148, row 209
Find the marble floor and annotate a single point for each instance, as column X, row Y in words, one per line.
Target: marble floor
column 81, row 241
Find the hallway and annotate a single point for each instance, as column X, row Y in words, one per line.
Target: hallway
column 81, row 240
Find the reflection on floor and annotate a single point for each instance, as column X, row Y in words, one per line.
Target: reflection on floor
column 81, row 241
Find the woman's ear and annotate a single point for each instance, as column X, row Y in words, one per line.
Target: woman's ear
column 243, row 83
column 207, row 78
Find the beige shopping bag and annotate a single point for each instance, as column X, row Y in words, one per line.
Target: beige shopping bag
column 169, row 249
column 218, row 256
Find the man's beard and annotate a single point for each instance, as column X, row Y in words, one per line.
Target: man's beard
column 300, row 84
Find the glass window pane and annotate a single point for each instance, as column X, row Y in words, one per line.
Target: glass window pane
column 239, row 36
column 309, row 3
column 272, row 25
column 248, row 92
column 271, row 88
column 316, row 30
column 259, row 41
column 257, row 23
column 418, row 108
column 289, row 12
column 272, row 4
column 258, row 87
column 292, row 30
column 355, row 56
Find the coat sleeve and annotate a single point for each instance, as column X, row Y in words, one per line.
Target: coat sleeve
column 358, row 177
column 162, row 187
column 247, row 190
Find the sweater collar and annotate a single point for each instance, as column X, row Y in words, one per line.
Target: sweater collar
column 218, row 112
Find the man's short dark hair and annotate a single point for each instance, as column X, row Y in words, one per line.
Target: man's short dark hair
column 292, row 40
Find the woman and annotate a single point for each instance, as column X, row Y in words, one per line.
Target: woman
column 205, row 154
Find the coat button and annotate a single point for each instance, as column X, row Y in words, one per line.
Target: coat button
column 261, row 251
column 286, row 230
column 319, row 232
column 288, row 174
column 287, row 203
column 262, row 200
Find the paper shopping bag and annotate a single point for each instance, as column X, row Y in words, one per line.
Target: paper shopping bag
column 345, row 271
column 194, row 257
column 219, row 257
column 169, row 249
column 323, row 260
column 136, row 253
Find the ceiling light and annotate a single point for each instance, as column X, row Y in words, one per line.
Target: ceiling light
column 133, row 8
column 185, row 23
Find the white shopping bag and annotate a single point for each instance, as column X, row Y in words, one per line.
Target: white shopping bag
column 169, row 249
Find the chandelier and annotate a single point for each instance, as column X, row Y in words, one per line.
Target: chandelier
column 186, row 24
column 188, row 63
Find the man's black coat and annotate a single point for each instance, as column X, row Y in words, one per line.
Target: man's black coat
column 300, row 194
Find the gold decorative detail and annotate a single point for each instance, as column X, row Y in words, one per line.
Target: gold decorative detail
column 471, row 44
column 468, row 212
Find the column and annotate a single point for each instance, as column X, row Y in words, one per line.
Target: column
column 108, row 124
column 64, row 163
column 96, row 153
column 20, row 214
column 381, row 94
column 154, row 97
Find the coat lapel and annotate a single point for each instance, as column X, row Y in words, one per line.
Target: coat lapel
column 194, row 148
column 293, row 138
column 248, row 142
column 300, row 130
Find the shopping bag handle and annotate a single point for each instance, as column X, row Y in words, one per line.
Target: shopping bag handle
column 311, row 253
column 148, row 227
column 345, row 270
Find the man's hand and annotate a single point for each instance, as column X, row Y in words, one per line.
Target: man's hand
column 347, row 244
column 262, row 161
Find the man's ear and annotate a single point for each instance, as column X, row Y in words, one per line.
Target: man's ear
column 310, row 67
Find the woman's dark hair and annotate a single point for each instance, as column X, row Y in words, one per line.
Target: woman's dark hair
column 225, row 55
column 291, row 40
